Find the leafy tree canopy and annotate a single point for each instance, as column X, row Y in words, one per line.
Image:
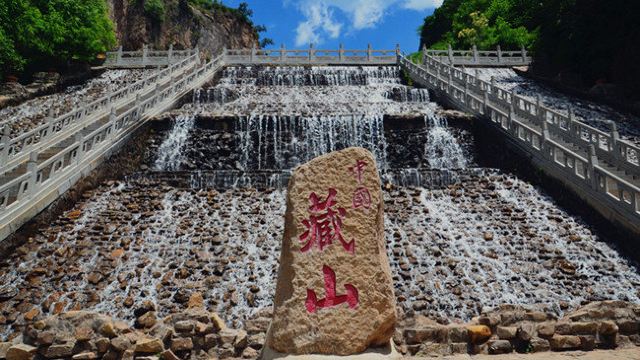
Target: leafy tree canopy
column 52, row 32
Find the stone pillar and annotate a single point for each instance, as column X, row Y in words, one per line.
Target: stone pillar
column 119, row 58
column 486, row 102
column 397, row 49
column 615, row 138
column 424, row 54
column 499, row 54
column 170, row 55
column 369, row 54
column 113, row 117
column 476, row 56
column 253, row 54
column 283, row 53
column 333, row 297
column 32, row 169
column 144, row 54
column 79, row 138
column 539, row 109
column 450, row 54
column 6, row 142
column 593, row 162
column 493, row 84
column 524, row 54
column 311, row 53
column 341, row 53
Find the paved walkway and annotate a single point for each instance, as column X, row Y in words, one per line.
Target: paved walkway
column 620, row 354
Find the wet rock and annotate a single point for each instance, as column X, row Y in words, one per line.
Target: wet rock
column 149, row 346
column 564, row 342
column 181, row 344
column 121, row 343
column 146, row 321
column 60, row 351
column 506, row 332
column 479, row 333
column 21, row 352
column 499, row 347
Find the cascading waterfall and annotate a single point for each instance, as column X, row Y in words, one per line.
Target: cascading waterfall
column 442, row 149
column 170, row 153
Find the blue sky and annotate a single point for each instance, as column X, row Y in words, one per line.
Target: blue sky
column 355, row 23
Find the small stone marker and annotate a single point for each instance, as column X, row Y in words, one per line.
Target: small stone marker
column 334, row 293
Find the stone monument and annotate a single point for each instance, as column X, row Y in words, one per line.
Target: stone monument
column 334, row 293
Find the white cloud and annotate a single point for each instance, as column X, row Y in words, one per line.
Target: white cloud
column 364, row 14
column 319, row 21
column 420, row 5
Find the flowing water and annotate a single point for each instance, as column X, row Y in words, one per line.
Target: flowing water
column 459, row 237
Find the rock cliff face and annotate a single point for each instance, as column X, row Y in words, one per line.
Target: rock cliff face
column 182, row 24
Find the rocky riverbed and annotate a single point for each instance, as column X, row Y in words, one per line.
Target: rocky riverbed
column 483, row 243
column 30, row 114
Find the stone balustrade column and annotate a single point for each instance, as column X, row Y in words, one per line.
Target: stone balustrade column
column 369, row 55
column 424, row 54
column 485, row 101
column 476, row 56
column 6, row 141
column 593, row 162
column 32, row 170
column 283, row 53
column 253, row 54
column 450, row 54
column 499, row 50
column 524, row 54
column 170, row 55
column 144, row 54
column 79, row 138
column 341, row 53
column 119, row 58
column 539, row 109
column 113, row 117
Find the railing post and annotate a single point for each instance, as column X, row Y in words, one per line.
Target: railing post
column 311, row 53
column 524, row 55
column 615, row 137
column 225, row 53
column 493, row 84
column 144, row 54
column 499, row 54
column 170, row 55
column 253, row 53
column 545, row 136
column 113, row 117
column 450, row 53
column 79, row 137
column 6, row 140
column 156, row 91
column 369, row 53
column 539, row 110
column 424, row 54
column 476, row 57
column 486, row 101
column 32, row 169
column 341, row 53
column 283, row 53
column 119, row 58
column 397, row 49
column 593, row 161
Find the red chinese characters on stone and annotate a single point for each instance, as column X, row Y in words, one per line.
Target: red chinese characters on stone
column 331, row 299
column 324, row 224
column 362, row 196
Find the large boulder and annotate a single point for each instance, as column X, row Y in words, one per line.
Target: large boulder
column 334, row 293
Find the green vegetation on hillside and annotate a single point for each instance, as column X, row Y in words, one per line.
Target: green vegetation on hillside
column 50, row 33
column 587, row 41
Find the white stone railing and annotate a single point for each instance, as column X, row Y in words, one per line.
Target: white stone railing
column 597, row 162
column 312, row 55
column 477, row 58
column 14, row 151
column 25, row 195
column 146, row 57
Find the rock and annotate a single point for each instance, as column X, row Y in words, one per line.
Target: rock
column 250, row 353
column 108, row 330
column 584, row 328
column 564, row 342
column 195, row 301
column 241, row 341
column 168, row 355
column 181, row 344
column 499, row 347
column 121, row 343
column 145, row 307
column 146, row 321
column 102, row 345
column 458, row 335
column 149, row 346
column 338, row 285
column 628, row 327
column 45, row 338
column 607, row 328
column 539, row 345
column 94, row 278
column 525, row 332
column 83, row 334
column 21, row 352
column 60, row 351
column 546, row 330
column 217, row 322
column 479, row 333
column 506, row 333
column 85, row 356
column 31, row 314
column 4, row 347
column 186, row 326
